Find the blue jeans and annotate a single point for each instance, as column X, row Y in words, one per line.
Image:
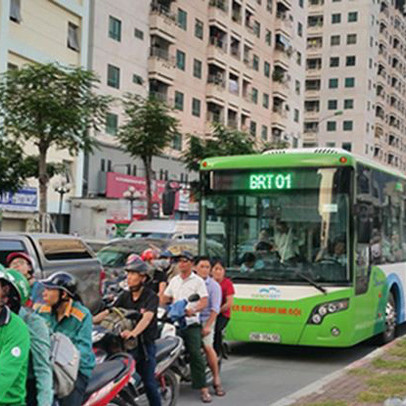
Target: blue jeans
column 145, row 365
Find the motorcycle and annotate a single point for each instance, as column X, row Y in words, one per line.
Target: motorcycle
column 107, row 343
column 170, row 322
column 108, row 379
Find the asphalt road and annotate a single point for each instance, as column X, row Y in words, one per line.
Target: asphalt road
column 259, row 374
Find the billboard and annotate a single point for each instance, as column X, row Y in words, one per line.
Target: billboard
column 26, row 199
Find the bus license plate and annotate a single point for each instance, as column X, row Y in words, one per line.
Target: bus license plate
column 265, row 337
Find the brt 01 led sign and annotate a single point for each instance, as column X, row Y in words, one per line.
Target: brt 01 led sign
column 270, row 181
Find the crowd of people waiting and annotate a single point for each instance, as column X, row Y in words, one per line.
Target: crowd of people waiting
column 31, row 311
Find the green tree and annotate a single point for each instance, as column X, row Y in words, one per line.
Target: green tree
column 13, row 169
column 223, row 142
column 149, row 129
column 51, row 107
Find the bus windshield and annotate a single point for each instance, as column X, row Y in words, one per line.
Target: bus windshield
column 282, row 226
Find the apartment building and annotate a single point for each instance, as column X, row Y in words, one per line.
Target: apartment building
column 355, row 83
column 119, row 48
column 42, row 31
column 235, row 62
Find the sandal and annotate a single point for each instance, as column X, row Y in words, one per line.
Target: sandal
column 218, row 390
column 206, row 398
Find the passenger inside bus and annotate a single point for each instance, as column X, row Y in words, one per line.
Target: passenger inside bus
column 285, row 241
column 336, row 252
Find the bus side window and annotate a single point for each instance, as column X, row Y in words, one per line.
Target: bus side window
column 363, row 248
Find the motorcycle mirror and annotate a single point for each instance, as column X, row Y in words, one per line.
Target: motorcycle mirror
column 193, row 298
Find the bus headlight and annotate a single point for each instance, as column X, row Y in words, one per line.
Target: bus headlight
column 324, row 309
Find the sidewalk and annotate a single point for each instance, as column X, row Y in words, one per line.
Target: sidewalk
column 370, row 381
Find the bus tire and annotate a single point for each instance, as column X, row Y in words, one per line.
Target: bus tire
column 389, row 333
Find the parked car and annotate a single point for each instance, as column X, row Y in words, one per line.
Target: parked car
column 58, row 252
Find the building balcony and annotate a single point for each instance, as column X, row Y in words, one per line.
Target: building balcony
column 315, row 29
column 316, row 7
column 284, row 22
column 217, row 49
column 162, row 23
column 312, row 92
column 283, row 55
column 281, row 87
column 216, row 89
column 161, row 65
column 312, row 115
column 279, row 116
column 218, row 11
column 310, row 137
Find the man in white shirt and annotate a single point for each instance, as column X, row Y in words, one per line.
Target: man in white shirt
column 284, row 241
column 181, row 287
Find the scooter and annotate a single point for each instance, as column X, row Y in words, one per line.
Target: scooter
column 108, row 380
column 170, row 322
column 106, row 343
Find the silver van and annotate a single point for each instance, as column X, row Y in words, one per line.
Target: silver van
column 58, row 252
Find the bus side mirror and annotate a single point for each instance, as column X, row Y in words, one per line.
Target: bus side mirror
column 363, row 223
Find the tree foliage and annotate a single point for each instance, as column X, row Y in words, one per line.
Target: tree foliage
column 223, row 142
column 51, row 107
column 149, row 129
column 13, row 168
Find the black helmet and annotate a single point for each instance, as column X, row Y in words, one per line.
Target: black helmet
column 62, row 281
column 138, row 267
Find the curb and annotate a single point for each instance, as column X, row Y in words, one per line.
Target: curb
column 317, row 387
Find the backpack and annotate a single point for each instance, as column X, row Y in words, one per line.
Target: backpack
column 117, row 322
column 65, row 359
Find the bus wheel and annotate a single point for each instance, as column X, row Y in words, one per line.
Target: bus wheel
column 390, row 320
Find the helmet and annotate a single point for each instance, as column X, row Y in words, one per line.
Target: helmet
column 18, row 281
column 148, row 255
column 132, row 258
column 166, row 254
column 138, row 266
column 20, row 254
column 61, row 281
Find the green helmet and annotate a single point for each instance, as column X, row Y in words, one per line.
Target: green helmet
column 18, row 281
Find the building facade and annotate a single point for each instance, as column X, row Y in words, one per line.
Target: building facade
column 235, row 62
column 43, row 31
column 355, row 83
column 119, row 47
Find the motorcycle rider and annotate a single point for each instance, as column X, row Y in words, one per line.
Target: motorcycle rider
column 14, row 343
column 141, row 298
column 179, row 288
column 208, row 318
column 64, row 313
column 157, row 282
column 39, row 381
column 23, row 263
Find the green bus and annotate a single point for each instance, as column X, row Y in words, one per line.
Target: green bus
column 315, row 243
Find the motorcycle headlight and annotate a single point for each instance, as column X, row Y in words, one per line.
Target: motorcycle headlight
column 324, row 309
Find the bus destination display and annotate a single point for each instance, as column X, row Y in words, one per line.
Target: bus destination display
column 261, row 180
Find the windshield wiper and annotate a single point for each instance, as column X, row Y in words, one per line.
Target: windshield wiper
column 312, row 282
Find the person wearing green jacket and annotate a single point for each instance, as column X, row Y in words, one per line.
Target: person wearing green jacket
column 40, row 379
column 64, row 313
column 14, row 341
